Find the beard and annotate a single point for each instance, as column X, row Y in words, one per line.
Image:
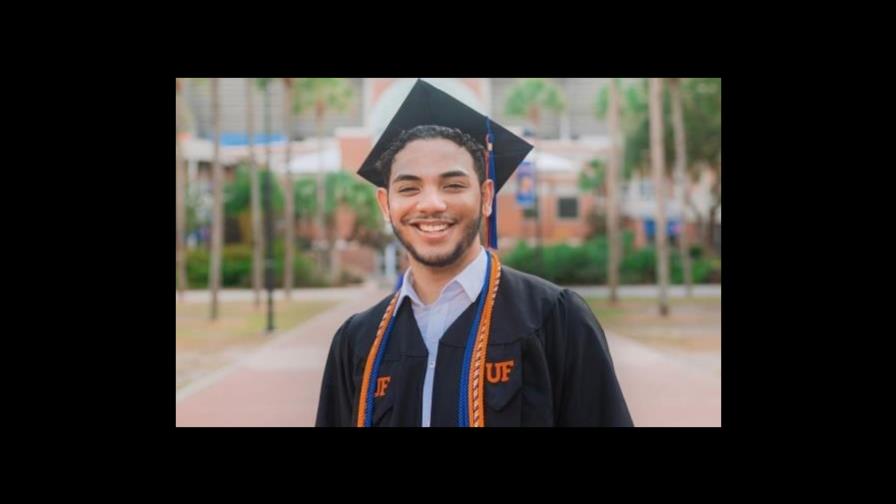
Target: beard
column 468, row 236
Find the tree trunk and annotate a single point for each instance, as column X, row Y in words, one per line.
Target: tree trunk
column 680, row 182
column 612, row 197
column 268, row 224
column 535, row 118
column 698, row 215
column 289, row 238
column 335, row 264
column 657, row 155
column 218, row 210
column 330, row 254
column 319, row 231
column 717, row 193
column 255, row 198
column 180, row 189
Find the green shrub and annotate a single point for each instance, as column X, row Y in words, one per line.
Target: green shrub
column 236, row 268
column 587, row 264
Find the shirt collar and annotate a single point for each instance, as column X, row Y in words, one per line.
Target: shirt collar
column 470, row 279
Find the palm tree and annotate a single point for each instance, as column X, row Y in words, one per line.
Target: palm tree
column 264, row 85
column 657, row 157
column 626, row 110
column 180, row 189
column 218, row 209
column 613, row 258
column 321, row 95
column 701, row 100
column 529, row 98
column 680, row 182
column 701, row 112
column 257, row 235
column 288, row 189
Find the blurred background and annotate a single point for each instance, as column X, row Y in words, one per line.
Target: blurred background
column 279, row 241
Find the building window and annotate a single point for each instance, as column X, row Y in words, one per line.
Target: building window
column 673, row 230
column 646, row 188
column 568, row 208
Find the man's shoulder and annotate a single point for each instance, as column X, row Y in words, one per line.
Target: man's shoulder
column 526, row 302
column 362, row 321
column 536, row 295
column 532, row 286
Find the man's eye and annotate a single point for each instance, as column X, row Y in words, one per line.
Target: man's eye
column 455, row 186
column 407, row 189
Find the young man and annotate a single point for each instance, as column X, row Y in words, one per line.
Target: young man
column 464, row 341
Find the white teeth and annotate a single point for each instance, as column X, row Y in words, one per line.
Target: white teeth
column 433, row 228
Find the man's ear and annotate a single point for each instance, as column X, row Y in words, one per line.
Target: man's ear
column 382, row 199
column 488, row 191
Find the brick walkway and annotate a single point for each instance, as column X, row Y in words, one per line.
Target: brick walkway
column 278, row 384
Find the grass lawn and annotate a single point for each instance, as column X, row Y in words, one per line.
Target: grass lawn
column 692, row 324
column 202, row 345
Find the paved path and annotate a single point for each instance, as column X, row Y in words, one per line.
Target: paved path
column 278, row 384
column 625, row 291
column 647, row 291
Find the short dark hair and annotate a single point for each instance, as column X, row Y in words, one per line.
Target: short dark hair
column 433, row 131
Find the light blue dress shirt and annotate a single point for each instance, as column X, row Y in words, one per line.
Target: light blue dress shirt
column 434, row 319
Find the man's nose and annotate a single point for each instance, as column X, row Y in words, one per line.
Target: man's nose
column 431, row 201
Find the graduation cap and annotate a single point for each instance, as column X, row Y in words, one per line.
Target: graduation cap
column 428, row 105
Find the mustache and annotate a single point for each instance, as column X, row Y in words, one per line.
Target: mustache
column 442, row 219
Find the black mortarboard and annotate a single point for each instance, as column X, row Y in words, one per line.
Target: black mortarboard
column 428, row 105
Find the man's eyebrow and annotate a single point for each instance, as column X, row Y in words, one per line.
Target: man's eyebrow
column 414, row 178
column 406, row 176
column 454, row 173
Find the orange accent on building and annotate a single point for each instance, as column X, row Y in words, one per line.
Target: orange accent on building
column 477, row 87
column 378, row 86
column 354, row 150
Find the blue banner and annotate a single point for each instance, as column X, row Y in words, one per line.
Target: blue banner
column 525, row 191
column 672, row 228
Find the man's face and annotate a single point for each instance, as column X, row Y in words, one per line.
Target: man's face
column 435, row 202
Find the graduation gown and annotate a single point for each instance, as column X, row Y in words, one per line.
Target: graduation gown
column 547, row 364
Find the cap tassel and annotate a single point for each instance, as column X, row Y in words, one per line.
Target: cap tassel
column 492, row 222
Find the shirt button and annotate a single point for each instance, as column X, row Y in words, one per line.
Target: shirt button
column 432, row 364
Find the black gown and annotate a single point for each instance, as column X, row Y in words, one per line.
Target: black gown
column 547, row 361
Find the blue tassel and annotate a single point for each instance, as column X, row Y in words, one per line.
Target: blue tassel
column 375, row 372
column 462, row 413
column 493, row 218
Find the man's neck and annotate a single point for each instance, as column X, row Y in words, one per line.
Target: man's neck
column 428, row 282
